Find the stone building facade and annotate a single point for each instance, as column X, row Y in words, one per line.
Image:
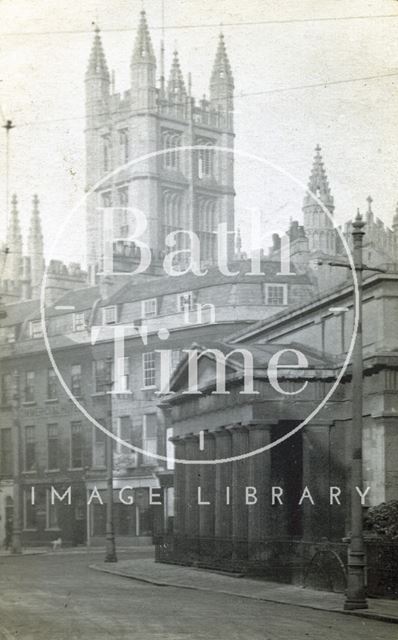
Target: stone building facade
column 280, row 538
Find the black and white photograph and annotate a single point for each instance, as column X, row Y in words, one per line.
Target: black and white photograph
column 198, row 320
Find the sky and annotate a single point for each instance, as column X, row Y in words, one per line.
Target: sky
column 275, row 46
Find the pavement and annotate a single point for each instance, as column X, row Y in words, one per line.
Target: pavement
column 169, row 575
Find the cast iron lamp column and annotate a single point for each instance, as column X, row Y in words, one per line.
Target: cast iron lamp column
column 110, row 547
column 355, row 594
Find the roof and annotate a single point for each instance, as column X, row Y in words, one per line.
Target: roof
column 140, row 289
column 18, row 312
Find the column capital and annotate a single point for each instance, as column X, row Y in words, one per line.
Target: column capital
column 222, row 433
column 318, row 424
column 260, row 425
column 237, row 428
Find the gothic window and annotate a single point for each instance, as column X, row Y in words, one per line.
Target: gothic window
column 172, row 216
column 124, row 145
column 106, row 151
column 106, row 199
column 207, row 229
column 205, row 159
column 171, row 144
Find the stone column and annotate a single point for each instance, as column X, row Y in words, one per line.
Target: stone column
column 260, row 514
column 239, row 481
column 223, row 479
column 191, row 487
column 316, row 474
column 207, row 485
column 180, row 473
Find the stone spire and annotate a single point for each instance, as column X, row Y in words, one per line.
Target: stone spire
column 222, row 85
column 143, row 49
column 318, row 183
column 35, row 247
column 97, row 66
column 176, row 86
column 143, row 69
column 13, row 260
column 222, row 72
column 318, row 224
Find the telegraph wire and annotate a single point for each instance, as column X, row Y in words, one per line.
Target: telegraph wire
column 239, row 95
column 206, row 26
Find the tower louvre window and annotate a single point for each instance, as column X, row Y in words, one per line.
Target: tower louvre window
column 124, row 145
column 106, row 198
column 207, row 214
column 205, row 159
column 106, row 151
column 171, row 143
column 172, row 215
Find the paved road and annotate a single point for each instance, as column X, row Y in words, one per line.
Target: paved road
column 57, row 597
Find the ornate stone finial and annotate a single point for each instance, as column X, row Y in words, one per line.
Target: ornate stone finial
column 369, row 200
column 35, row 202
column 14, row 201
column 318, row 150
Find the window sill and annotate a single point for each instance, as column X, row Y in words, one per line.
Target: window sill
column 29, row 403
column 29, row 473
column 5, row 407
column 75, row 468
column 51, row 400
column 52, row 529
column 27, row 529
column 52, row 470
column 151, row 387
column 98, row 394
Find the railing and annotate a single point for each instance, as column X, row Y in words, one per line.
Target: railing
column 320, row 564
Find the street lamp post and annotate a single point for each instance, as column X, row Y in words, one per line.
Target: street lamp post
column 17, row 524
column 110, row 548
column 355, row 594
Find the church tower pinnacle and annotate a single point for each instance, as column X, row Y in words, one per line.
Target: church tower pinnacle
column 35, row 247
column 317, row 223
column 143, row 68
column 13, row 260
column 222, row 82
column 176, row 87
